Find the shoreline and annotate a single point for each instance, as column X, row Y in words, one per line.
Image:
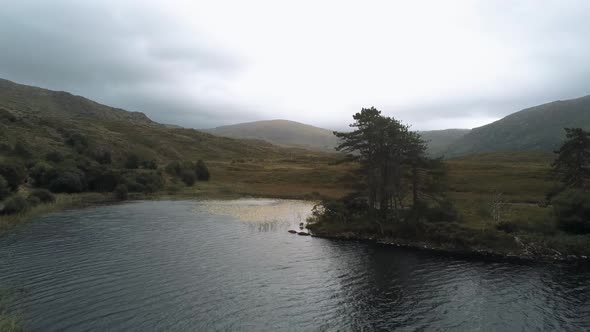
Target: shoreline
column 453, row 250
column 84, row 200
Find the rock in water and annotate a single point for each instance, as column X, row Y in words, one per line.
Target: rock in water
column 292, row 231
column 303, row 234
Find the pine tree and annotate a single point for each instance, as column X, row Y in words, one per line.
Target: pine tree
column 572, row 165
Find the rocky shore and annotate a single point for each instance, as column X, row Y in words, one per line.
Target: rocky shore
column 528, row 252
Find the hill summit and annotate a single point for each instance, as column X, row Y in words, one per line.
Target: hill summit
column 280, row 132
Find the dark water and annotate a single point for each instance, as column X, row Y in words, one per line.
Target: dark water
column 187, row 266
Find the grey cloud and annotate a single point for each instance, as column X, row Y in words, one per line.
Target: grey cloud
column 110, row 54
column 137, row 58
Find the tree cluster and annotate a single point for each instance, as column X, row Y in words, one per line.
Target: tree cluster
column 571, row 202
column 84, row 165
column 400, row 181
column 188, row 171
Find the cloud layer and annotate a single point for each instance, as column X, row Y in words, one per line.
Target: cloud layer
column 200, row 64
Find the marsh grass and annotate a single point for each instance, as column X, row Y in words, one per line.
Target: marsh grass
column 268, row 226
column 9, row 322
column 63, row 201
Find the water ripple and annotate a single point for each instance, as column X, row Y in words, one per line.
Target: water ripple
column 231, row 265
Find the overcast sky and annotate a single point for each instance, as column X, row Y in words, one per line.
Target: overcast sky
column 433, row 64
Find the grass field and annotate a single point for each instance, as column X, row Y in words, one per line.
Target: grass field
column 516, row 181
column 522, row 179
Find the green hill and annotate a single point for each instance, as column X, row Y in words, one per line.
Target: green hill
column 440, row 140
column 537, row 128
column 41, row 120
column 281, row 132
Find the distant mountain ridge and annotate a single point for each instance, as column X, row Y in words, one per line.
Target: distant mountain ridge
column 280, row 132
column 538, row 128
column 41, row 118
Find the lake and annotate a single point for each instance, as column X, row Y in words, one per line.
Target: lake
column 232, row 265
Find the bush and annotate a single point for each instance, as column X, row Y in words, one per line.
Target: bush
column 149, row 164
column 189, row 178
column 15, row 204
column 41, row 173
column 174, row 168
column 78, row 141
column 121, row 192
column 44, row 196
column 33, row 201
column 68, row 182
column 14, row 173
column 507, row 227
column 572, row 211
column 54, row 157
column 202, row 171
column 4, row 189
column 103, row 157
column 151, row 181
column 21, row 150
column 132, row 162
column 443, row 211
column 7, row 116
column 146, row 181
column 103, row 179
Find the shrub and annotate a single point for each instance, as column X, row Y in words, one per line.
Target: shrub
column 33, row 201
column 5, row 148
column 84, row 163
column 152, row 181
column 572, row 211
column 132, row 161
column 174, row 168
column 146, row 181
column 121, row 192
column 103, row 157
column 15, row 204
column 149, row 164
column 7, row 116
column 41, row 173
column 507, row 227
column 14, row 173
column 189, row 178
column 44, row 195
column 443, row 211
column 103, row 179
column 78, row 141
column 21, row 150
column 4, row 189
column 54, row 157
column 202, row 171
column 67, row 182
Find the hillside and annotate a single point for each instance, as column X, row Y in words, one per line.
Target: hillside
column 440, row 140
column 41, row 120
column 281, row 132
column 66, row 144
column 537, row 128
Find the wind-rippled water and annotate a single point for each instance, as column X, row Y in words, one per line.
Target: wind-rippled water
column 199, row 266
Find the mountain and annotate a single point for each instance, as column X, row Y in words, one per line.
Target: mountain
column 538, row 128
column 281, row 132
column 440, row 140
column 42, row 120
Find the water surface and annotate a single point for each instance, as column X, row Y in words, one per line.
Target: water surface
column 231, row 265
